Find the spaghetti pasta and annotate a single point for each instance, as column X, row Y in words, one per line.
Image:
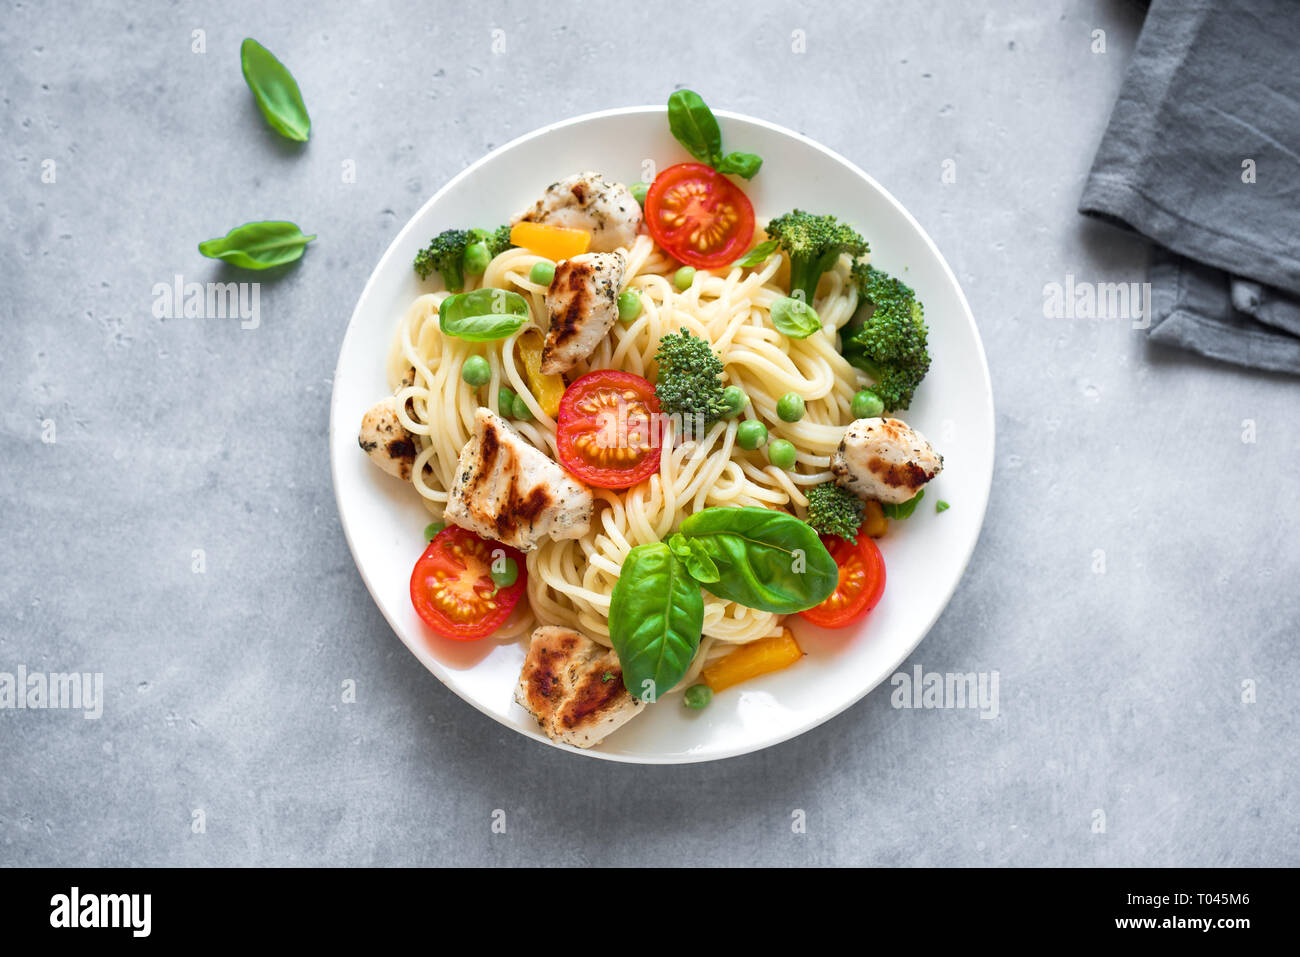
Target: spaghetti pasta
column 570, row 582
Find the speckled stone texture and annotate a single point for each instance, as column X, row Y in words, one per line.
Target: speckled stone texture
column 1138, row 562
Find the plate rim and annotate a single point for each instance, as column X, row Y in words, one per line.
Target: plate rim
column 985, row 489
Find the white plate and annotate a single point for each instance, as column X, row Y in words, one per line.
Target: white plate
column 925, row 556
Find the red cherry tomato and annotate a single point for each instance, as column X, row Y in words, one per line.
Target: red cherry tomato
column 862, row 582
column 452, row 587
column 699, row 216
column 609, row 431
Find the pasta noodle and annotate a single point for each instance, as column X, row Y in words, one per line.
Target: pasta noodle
column 570, row 582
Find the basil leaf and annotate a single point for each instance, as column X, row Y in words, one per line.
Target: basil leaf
column 766, row 559
column 258, row 245
column 679, row 545
column 795, row 318
column 695, row 557
column 656, row 614
column 742, row 164
column 695, row 126
column 483, row 315
column 701, row 565
column 903, row 509
column 759, row 254
column 276, row 91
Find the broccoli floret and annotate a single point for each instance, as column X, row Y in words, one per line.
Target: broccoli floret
column 497, row 241
column 688, row 381
column 446, row 253
column 835, row 511
column 891, row 343
column 814, row 244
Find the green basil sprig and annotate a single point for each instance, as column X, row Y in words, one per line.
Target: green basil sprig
column 742, row 164
column 276, row 91
column 759, row 254
column 794, row 318
column 766, row 559
column 258, row 245
column 758, row 557
column 696, row 128
column 656, row 616
column 695, row 556
column 483, row 315
column 903, row 509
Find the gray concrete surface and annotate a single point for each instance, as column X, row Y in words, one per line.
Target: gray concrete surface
column 1121, row 684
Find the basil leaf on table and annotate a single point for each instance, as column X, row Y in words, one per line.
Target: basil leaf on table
column 258, row 245
column 695, row 126
column 794, row 318
column 758, row 254
column 742, row 164
column 483, row 315
column 903, row 509
column 766, row 559
column 656, row 614
column 275, row 90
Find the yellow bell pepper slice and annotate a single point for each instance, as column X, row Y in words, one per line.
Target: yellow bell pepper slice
column 874, row 522
column 547, row 389
column 553, row 242
column 749, row 661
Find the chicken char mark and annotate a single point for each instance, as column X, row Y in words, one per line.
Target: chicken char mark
column 518, row 509
column 594, row 696
column 401, row 449
column 900, row 475
column 578, row 278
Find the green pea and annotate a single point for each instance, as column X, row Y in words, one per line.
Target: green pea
column 432, row 529
column 476, row 371
column 638, row 191
column 734, row 398
column 506, row 401
column 790, row 407
column 477, row 258
column 781, row 454
column 505, row 571
column 867, row 405
column 629, row 305
column 521, row 409
column 542, row 273
column 698, row 696
column 683, row 278
column 751, row 434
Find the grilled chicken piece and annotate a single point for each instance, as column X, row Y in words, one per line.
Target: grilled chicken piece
column 583, row 303
column 508, row 491
column 590, row 202
column 885, row 460
column 386, row 441
column 574, row 687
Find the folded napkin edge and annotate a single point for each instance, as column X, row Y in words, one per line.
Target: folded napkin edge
column 1120, row 202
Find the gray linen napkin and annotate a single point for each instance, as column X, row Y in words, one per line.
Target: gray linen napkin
column 1202, row 157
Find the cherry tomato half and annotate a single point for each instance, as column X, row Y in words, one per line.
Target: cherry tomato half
column 862, row 582
column 699, row 216
column 452, row 587
column 609, row 431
